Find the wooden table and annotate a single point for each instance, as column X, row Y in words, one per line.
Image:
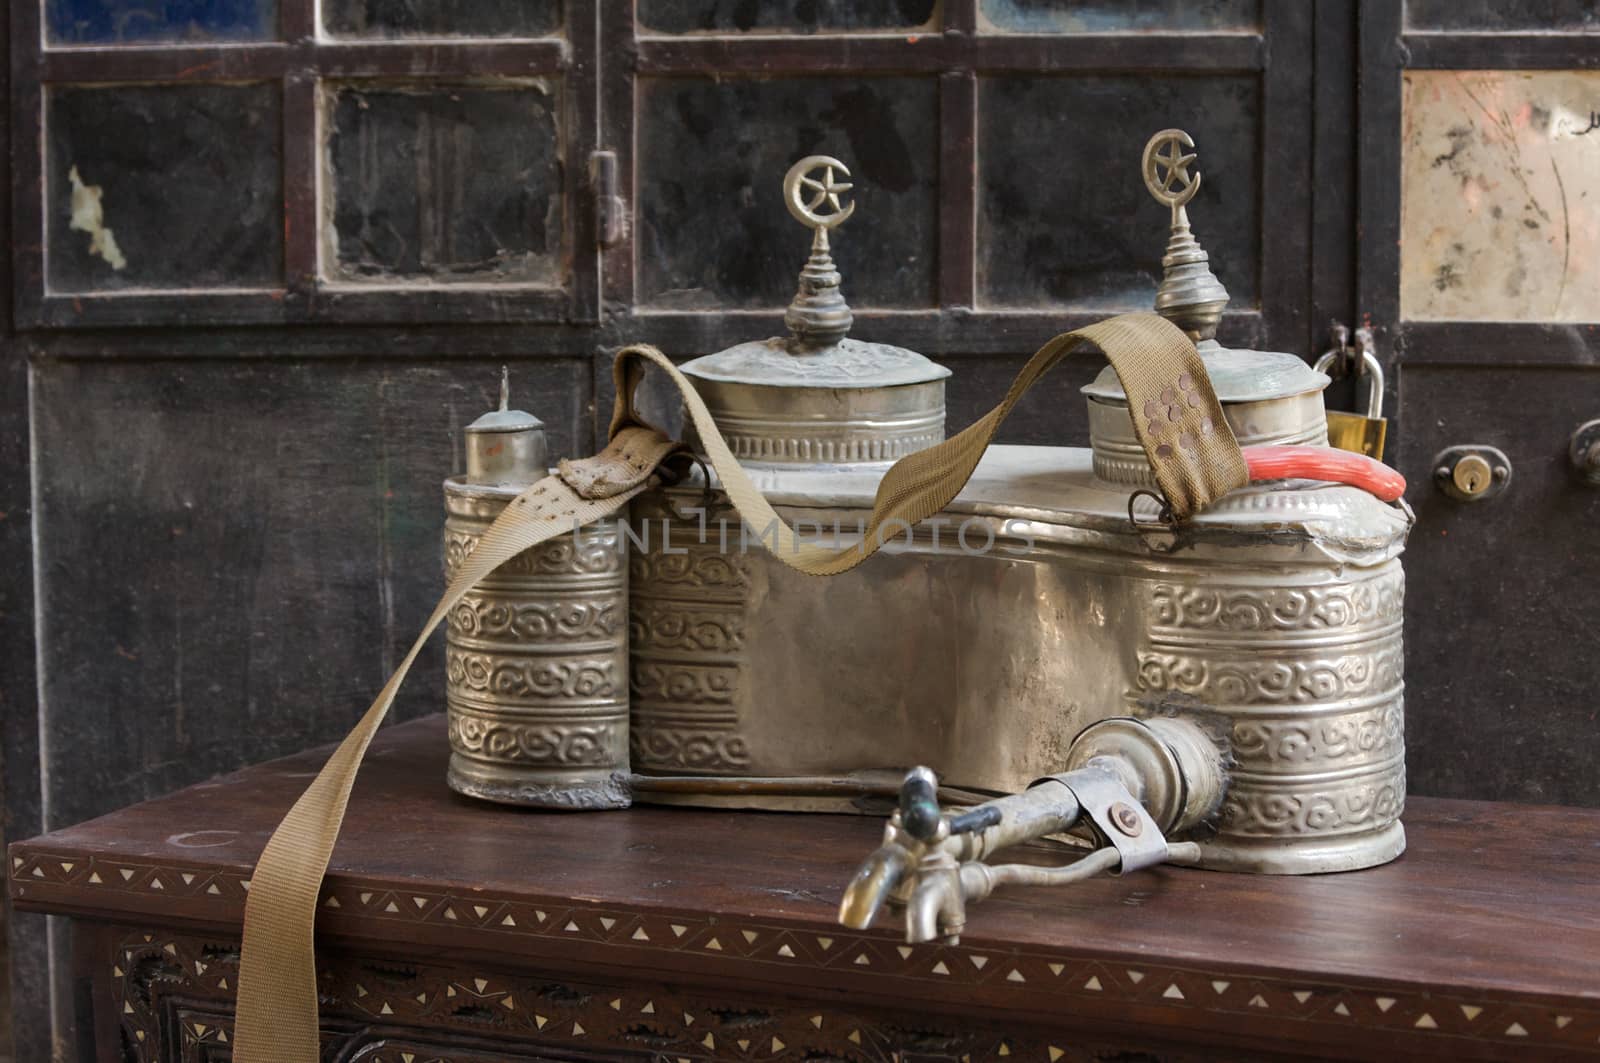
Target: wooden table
column 458, row 931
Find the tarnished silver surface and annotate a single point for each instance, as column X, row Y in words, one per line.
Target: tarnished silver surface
column 817, row 395
column 1278, row 610
column 1119, row 457
column 537, row 653
column 536, row 664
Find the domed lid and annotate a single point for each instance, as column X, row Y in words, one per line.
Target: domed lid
column 506, row 446
column 1192, row 297
column 817, row 395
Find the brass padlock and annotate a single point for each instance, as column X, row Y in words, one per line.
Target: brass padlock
column 1364, row 434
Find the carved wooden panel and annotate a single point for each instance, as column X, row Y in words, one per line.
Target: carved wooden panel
column 173, row 997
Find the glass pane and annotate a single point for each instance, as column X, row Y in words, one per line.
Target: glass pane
column 164, row 186
column 806, row 16
column 1064, row 218
column 1499, row 220
column 713, row 229
column 445, row 183
column 1111, row 16
column 1500, row 15
column 156, row 21
column 441, row 18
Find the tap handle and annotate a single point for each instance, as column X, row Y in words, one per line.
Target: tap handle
column 919, row 805
column 921, row 816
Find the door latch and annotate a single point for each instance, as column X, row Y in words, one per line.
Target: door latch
column 610, row 214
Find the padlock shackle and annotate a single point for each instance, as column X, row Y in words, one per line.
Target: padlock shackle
column 1327, row 464
column 1367, row 366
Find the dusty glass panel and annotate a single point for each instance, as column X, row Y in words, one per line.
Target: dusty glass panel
column 769, row 16
column 159, row 21
column 441, row 18
column 1111, row 16
column 712, row 227
column 163, row 186
column 444, row 183
column 1502, row 15
column 1499, row 208
column 1064, row 218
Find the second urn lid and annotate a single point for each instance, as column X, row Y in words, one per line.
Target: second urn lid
column 1267, row 396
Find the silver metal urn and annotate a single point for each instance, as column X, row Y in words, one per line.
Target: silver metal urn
column 537, row 653
column 991, row 637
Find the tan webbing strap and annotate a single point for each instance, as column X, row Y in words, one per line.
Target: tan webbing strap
column 1176, row 416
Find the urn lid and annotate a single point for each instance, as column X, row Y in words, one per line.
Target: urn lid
column 506, row 446
column 1192, row 297
column 817, row 394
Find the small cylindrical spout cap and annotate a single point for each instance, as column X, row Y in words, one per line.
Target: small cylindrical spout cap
column 507, row 446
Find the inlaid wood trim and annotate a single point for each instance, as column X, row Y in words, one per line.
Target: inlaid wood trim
column 1037, row 979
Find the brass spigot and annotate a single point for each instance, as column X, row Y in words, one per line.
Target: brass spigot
column 1123, row 774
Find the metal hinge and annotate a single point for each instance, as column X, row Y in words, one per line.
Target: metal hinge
column 610, row 213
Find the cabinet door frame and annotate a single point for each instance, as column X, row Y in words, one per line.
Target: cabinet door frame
column 297, row 62
column 957, row 54
column 1387, row 49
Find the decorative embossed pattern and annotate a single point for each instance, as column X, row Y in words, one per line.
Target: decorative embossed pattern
column 1330, row 809
column 536, row 645
column 1290, row 743
column 565, row 745
column 576, row 620
column 147, row 965
column 1312, row 680
column 702, row 568
column 597, row 551
column 381, row 1011
column 1357, row 672
column 691, row 750
column 531, row 677
column 769, row 445
column 687, row 625
column 1291, row 610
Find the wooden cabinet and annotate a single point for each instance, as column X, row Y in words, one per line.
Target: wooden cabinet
column 453, row 930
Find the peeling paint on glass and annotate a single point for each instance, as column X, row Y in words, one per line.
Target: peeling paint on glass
column 1500, row 196
column 159, row 21
column 787, row 16
column 1111, row 16
column 441, row 18
column 163, row 187
column 444, row 183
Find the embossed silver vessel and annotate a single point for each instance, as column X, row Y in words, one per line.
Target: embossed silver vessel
column 536, row 654
column 997, row 633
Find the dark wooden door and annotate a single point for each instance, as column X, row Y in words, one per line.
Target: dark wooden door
column 995, row 149
column 1479, row 269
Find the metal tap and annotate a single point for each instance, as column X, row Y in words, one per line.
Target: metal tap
column 933, row 863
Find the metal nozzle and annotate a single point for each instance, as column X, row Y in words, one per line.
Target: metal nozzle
column 878, row 877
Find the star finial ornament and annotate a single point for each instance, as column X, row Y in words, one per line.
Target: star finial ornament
column 1166, row 168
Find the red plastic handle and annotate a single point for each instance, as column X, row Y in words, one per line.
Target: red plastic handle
column 1325, row 463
